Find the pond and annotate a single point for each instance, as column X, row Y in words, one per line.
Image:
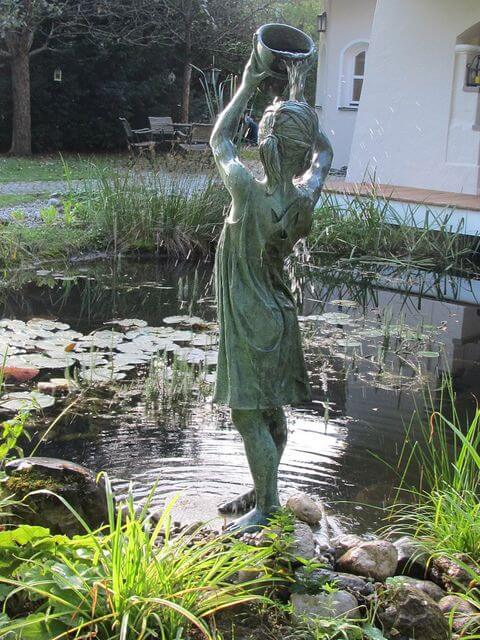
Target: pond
column 376, row 341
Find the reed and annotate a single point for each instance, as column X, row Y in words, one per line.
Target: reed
column 369, row 229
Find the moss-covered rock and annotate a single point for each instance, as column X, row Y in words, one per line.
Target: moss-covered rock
column 72, row 482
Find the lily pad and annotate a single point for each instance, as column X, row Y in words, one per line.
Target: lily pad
column 128, row 323
column 26, row 400
column 370, row 333
column 204, row 340
column 186, row 321
column 344, row 303
column 336, row 318
column 101, row 375
column 47, row 325
column 349, row 343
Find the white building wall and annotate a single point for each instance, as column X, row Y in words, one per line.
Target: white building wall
column 349, row 21
column 411, row 128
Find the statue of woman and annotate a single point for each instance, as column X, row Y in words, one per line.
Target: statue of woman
column 261, row 365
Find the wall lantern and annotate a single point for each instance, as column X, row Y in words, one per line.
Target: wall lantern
column 322, row 22
column 57, row 75
column 473, row 72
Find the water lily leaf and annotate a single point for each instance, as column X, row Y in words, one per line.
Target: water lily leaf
column 12, row 325
column 182, row 336
column 371, row 333
column 205, row 340
column 344, row 303
column 101, row 375
column 186, row 321
column 58, row 360
column 348, row 343
column 429, row 354
column 211, row 357
column 335, row 318
column 47, row 325
column 20, row 374
column 91, row 359
column 26, row 400
column 128, row 323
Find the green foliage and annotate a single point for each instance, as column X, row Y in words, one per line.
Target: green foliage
column 134, row 579
column 169, row 214
column 11, row 431
column 446, row 459
column 368, row 229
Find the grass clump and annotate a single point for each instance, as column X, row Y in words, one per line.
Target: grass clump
column 446, row 515
column 175, row 216
column 46, row 168
column 369, row 229
column 132, row 580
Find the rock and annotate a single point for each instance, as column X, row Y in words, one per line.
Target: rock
column 304, row 508
column 427, row 586
column 74, row 483
column 55, row 386
column 406, row 612
column 344, row 543
column 464, row 616
column 412, row 561
column 303, row 545
column 313, row 581
column 324, row 605
column 448, row 574
column 375, row 559
column 54, row 202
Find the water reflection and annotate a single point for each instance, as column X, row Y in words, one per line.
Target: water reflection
column 357, row 417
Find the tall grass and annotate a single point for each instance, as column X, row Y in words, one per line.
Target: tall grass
column 445, row 514
column 370, row 229
column 132, row 581
column 179, row 213
column 175, row 215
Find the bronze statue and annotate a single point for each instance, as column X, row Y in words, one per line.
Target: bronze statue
column 261, row 365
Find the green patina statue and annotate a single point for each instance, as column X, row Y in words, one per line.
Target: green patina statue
column 261, row 365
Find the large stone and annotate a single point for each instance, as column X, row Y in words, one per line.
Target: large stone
column 449, row 574
column 375, row 559
column 303, row 544
column 464, row 616
column 324, row 605
column 427, row 586
column 412, row 560
column 406, row 612
column 345, row 542
column 304, row 508
column 72, row 482
column 313, row 582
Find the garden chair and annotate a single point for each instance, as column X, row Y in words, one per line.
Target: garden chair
column 163, row 131
column 199, row 139
column 139, row 142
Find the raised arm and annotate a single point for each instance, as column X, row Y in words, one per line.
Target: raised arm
column 314, row 178
column 233, row 172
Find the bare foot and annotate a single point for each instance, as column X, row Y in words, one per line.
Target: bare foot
column 241, row 504
column 251, row 521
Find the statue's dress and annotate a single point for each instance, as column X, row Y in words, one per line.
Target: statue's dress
column 260, row 362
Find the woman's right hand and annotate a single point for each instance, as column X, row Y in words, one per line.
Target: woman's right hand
column 254, row 73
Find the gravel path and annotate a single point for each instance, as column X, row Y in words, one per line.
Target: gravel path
column 48, row 186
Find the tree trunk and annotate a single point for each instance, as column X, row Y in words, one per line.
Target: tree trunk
column 187, row 73
column 21, row 114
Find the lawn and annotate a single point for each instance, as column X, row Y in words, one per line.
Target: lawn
column 12, row 199
column 53, row 167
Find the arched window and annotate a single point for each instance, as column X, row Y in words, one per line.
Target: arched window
column 352, row 74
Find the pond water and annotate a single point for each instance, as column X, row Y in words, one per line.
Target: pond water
column 375, row 341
